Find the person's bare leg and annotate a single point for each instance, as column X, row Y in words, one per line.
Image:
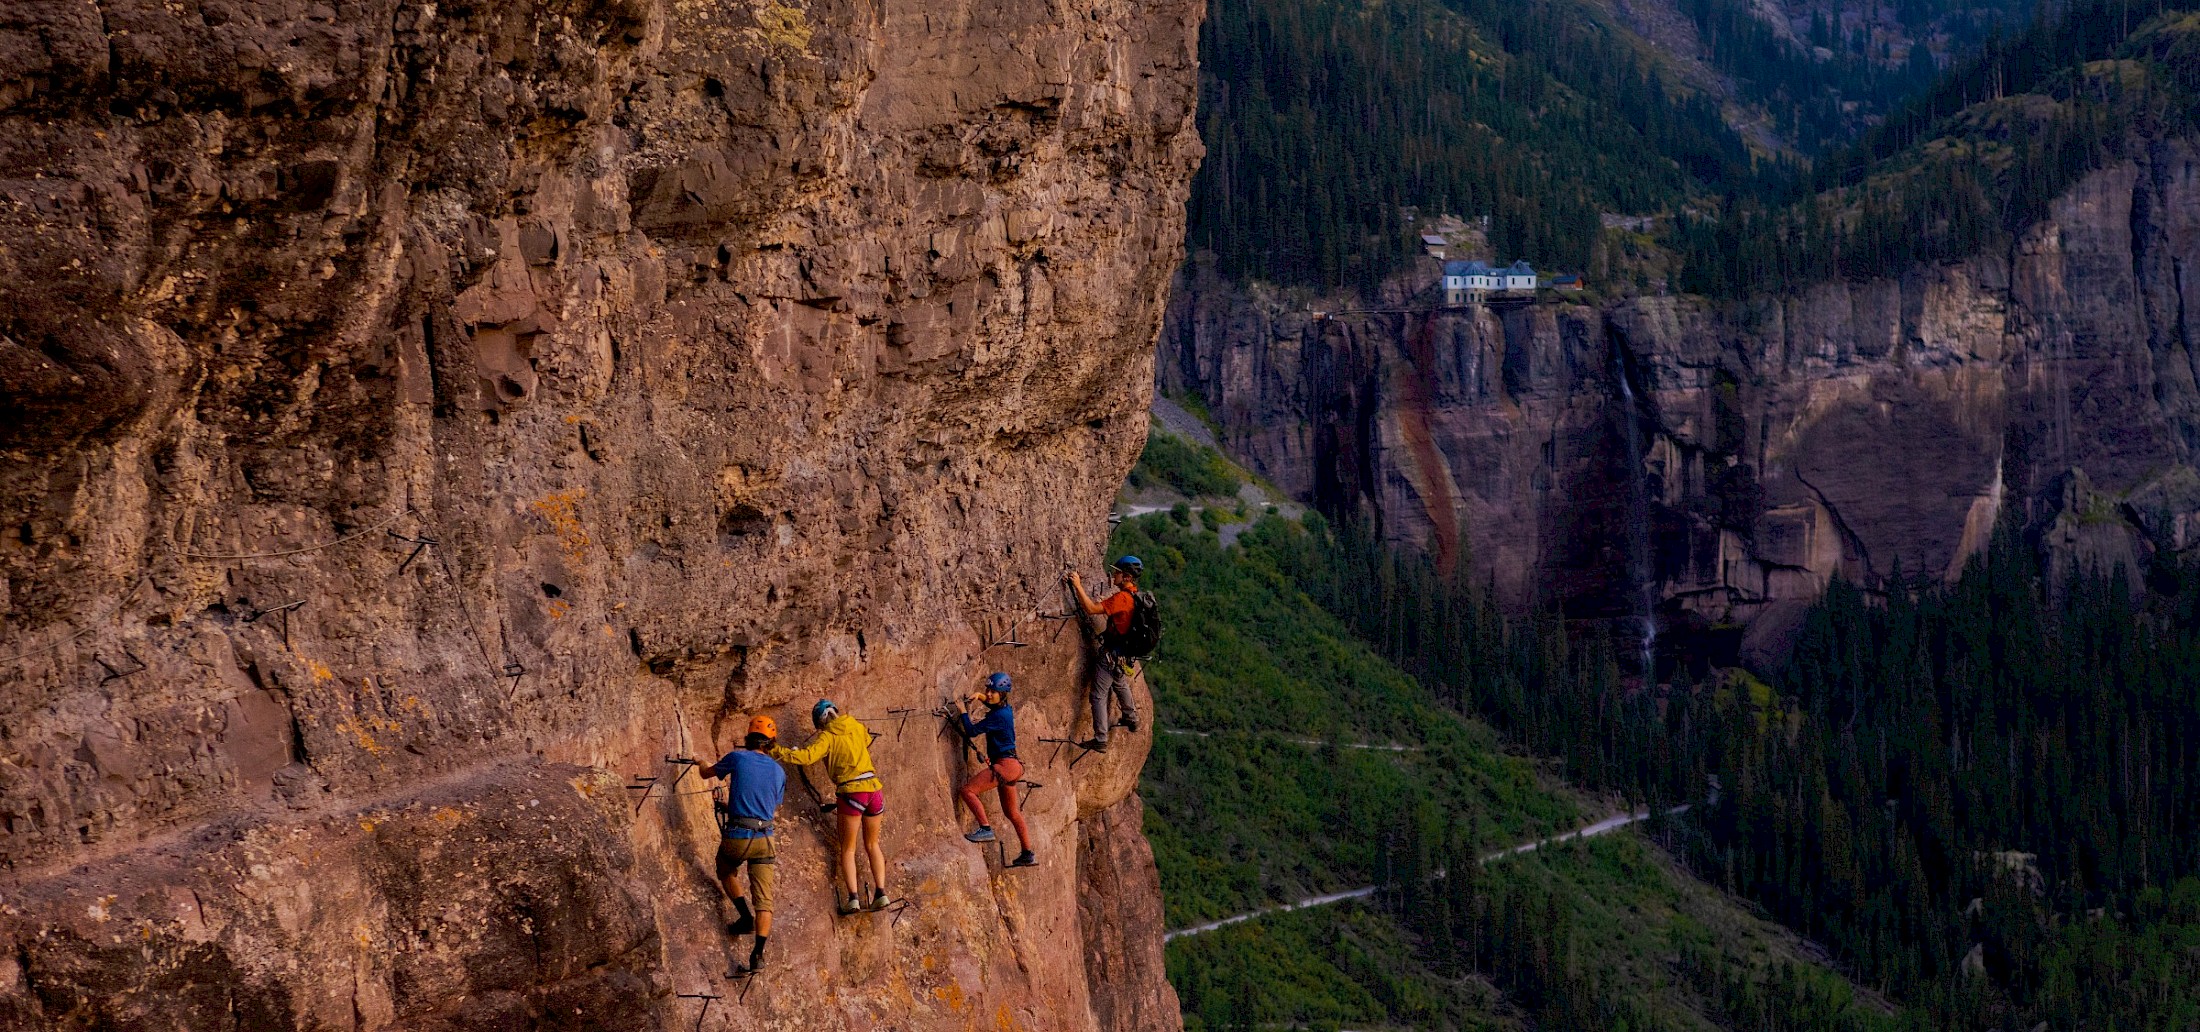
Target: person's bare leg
column 878, row 856
column 848, row 825
column 763, row 924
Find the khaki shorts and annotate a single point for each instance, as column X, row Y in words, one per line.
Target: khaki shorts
column 758, row 854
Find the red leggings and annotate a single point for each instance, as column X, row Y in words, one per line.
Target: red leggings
column 1003, row 773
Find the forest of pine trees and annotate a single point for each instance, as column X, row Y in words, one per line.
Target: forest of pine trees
column 1966, row 165
column 1979, row 796
column 1324, row 120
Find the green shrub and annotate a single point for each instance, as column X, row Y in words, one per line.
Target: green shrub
column 1174, row 463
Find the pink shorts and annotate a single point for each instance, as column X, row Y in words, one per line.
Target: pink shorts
column 861, row 804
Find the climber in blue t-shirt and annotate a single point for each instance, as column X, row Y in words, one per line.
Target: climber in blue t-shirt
column 755, row 785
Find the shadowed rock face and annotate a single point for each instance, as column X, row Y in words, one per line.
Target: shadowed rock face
column 1859, row 428
column 420, row 420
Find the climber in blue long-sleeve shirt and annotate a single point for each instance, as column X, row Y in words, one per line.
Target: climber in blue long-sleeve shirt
column 1002, row 769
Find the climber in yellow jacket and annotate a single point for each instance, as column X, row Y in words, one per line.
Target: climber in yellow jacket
column 845, row 745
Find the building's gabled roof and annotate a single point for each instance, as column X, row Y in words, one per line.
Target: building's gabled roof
column 1458, row 268
column 1433, row 240
column 1520, row 268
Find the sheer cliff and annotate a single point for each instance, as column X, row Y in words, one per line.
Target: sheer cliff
column 420, row 420
column 1728, row 460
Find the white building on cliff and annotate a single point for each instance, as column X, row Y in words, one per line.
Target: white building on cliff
column 1468, row 282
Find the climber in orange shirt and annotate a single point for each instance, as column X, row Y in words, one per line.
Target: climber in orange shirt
column 1132, row 631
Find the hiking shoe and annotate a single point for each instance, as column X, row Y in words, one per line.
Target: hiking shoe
column 881, row 901
column 1094, row 744
column 1024, row 859
column 748, row 970
column 848, row 905
column 742, row 926
column 983, row 834
column 1130, row 720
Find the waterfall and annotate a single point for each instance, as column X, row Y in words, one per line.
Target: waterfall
column 1641, row 572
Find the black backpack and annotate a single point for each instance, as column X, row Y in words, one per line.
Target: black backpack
column 1144, row 634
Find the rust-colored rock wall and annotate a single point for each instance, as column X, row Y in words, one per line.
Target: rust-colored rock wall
column 420, row 419
column 1859, row 428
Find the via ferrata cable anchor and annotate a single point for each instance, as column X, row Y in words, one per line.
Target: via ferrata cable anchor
column 284, row 609
column 648, row 782
column 1082, row 752
column 707, row 998
column 114, row 674
column 685, row 764
column 897, row 908
column 995, row 639
column 420, row 544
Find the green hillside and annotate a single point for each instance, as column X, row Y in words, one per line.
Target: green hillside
column 1294, row 760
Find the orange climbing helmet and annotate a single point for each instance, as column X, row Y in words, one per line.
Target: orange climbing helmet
column 763, row 724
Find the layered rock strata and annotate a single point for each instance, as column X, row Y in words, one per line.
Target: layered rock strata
column 1865, row 429
column 422, row 420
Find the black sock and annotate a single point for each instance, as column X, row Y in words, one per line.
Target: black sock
column 741, row 904
column 756, row 952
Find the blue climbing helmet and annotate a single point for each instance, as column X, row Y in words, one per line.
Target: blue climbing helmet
column 997, row 683
column 823, row 713
column 1130, row 564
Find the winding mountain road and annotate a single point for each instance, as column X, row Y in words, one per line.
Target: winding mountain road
column 1605, row 826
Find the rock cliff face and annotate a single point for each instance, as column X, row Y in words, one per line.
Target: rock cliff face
column 419, row 420
column 1860, row 428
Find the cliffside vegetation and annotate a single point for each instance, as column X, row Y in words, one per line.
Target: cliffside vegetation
column 1171, row 462
column 1978, row 796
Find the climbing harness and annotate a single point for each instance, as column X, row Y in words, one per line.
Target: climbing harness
column 727, row 819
